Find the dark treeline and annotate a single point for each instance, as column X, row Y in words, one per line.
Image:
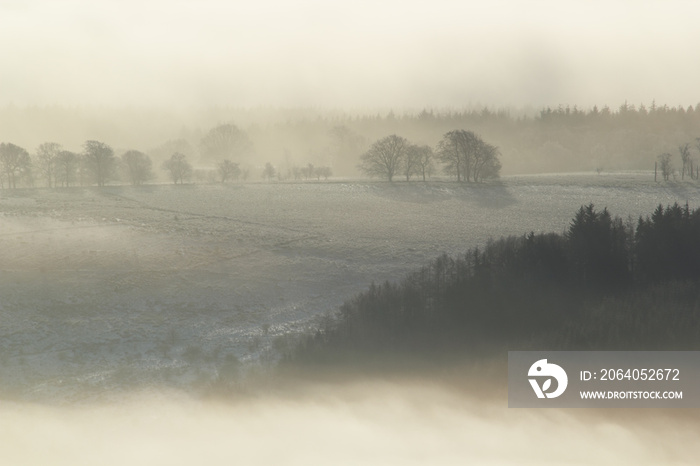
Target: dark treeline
column 605, row 284
column 549, row 140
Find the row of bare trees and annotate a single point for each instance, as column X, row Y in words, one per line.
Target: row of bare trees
column 309, row 172
column 297, row 173
column 689, row 166
column 96, row 164
column 59, row 167
column 394, row 155
column 463, row 154
column 15, row 163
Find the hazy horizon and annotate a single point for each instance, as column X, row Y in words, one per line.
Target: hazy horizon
column 349, row 55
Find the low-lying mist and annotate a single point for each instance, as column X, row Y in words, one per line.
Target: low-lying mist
column 366, row 422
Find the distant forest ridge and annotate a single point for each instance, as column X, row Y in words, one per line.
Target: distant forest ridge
column 565, row 138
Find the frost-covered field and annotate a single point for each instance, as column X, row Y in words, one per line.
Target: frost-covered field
column 181, row 286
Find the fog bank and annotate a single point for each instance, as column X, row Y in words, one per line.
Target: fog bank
column 348, row 54
column 363, row 423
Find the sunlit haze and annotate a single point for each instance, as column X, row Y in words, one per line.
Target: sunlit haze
column 348, row 54
column 310, row 232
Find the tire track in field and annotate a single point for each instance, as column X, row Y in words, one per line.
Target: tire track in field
column 306, row 235
column 253, row 252
column 49, row 230
column 144, row 205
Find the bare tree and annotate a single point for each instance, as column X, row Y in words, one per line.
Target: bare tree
column 466, row 155
column 138, row 167
column 307, row 171
column 178, row 167
column 225, row 142
column 228, row 170
column 99, row 161
column 424, row 158
column 15, row 162
column 685, row 158
column 269, row 171
column 666, row 165
column 66, row 167
column 412, row 162
column 46, row 155
column 697, row 169
column 485, row 162
column 457, row 150
column 324, row 172
column 384, row 157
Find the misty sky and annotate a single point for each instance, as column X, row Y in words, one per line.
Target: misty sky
column 352, row 54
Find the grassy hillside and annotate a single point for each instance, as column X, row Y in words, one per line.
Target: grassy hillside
column 116, row 288
column 602, row 285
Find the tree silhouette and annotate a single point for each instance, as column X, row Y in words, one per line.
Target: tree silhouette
column 468, row 157
column 424, row 158
column 666, row 165
column 598, row 248
column 179, row 168
column 228, row 170
column 269, row 171
column 667, row 244
column 384, row 157
column 66, row 167
column 324, row 172
column 456, row 150
column 15, row 162
column 46, row 155
column 99, row 161
column 225, row 142
column 138, row 167
column 684, row 150
column 411, row 164
column 307, row 171
column 485, row 162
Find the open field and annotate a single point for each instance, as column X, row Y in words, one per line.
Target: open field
column 184, row 286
